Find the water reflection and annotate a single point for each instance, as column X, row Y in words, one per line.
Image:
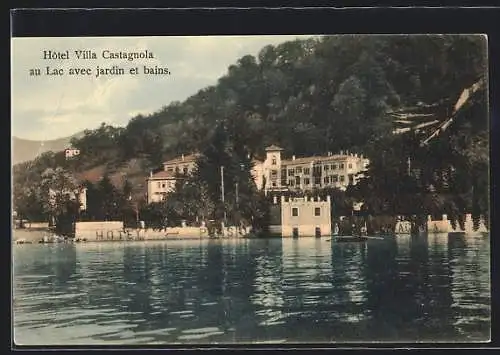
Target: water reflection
column 402, row 288
column 470, row 285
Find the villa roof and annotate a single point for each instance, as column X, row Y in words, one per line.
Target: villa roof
column 273, row 147
column 183, row 159
column 306, row 160
column 162, row 175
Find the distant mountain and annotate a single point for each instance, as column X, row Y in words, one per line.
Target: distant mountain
column 25, row 150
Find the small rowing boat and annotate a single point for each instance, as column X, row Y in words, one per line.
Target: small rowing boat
column 355, row 238
column 351, row 238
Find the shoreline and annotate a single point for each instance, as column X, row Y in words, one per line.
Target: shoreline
column 35, row 236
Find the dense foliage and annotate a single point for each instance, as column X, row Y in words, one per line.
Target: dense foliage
column 311, row 96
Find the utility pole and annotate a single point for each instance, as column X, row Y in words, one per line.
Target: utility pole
column 222, row 191
column 236, row 186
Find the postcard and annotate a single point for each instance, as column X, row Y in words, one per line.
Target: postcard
column 266, row 189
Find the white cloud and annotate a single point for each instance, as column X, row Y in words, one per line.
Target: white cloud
column 49, row 107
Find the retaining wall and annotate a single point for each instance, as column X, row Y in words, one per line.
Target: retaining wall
column 443, row 225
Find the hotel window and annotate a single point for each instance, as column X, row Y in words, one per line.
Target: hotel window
column 350, row 166
column 327, row 167
column 274, row 173
column 291, row 183
column 274, row 184
column 297, row 180
column 291, row 172
column 274, row 161
column 283, row 177
column 317, row 211
column 317, row 180
column 298, row 170
column 159, row 184
column 306, row 181
column 295, row 211
column 334, row 166
column 341, row 166
column 351, row 179
column 307, row 171
column 326, row 179
column 170, row 170
column 163, row 185
column 335, row 178
column 342, row 178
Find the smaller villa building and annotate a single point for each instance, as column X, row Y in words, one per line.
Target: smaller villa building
column 162, row 183
column 301, row 217
column 71, row 152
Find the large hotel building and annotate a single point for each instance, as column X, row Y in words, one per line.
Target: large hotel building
column 307, row 173
column 274, row 173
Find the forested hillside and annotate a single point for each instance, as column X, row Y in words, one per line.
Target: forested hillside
column 308, row 96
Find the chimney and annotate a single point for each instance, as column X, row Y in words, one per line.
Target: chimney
column 293, row 157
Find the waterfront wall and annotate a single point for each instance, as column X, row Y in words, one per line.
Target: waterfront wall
column 115, row 231
column 32, row 225
column 98, row 230
column 444, row 225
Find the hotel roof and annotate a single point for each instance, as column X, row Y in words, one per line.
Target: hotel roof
column 162, row 175
column 183, row 159
column 273, row 148
column 305, row 160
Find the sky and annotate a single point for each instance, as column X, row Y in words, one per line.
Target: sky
column 48, row 107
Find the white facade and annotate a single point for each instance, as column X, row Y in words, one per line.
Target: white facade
column 185, row 164
column 257, row 173
column 301, row 217
column 82, row 198
column 307, row 173
column 163, row 182
column 160, row 185
column 71, row 152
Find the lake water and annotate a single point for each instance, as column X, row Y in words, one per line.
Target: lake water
column 401, row 289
